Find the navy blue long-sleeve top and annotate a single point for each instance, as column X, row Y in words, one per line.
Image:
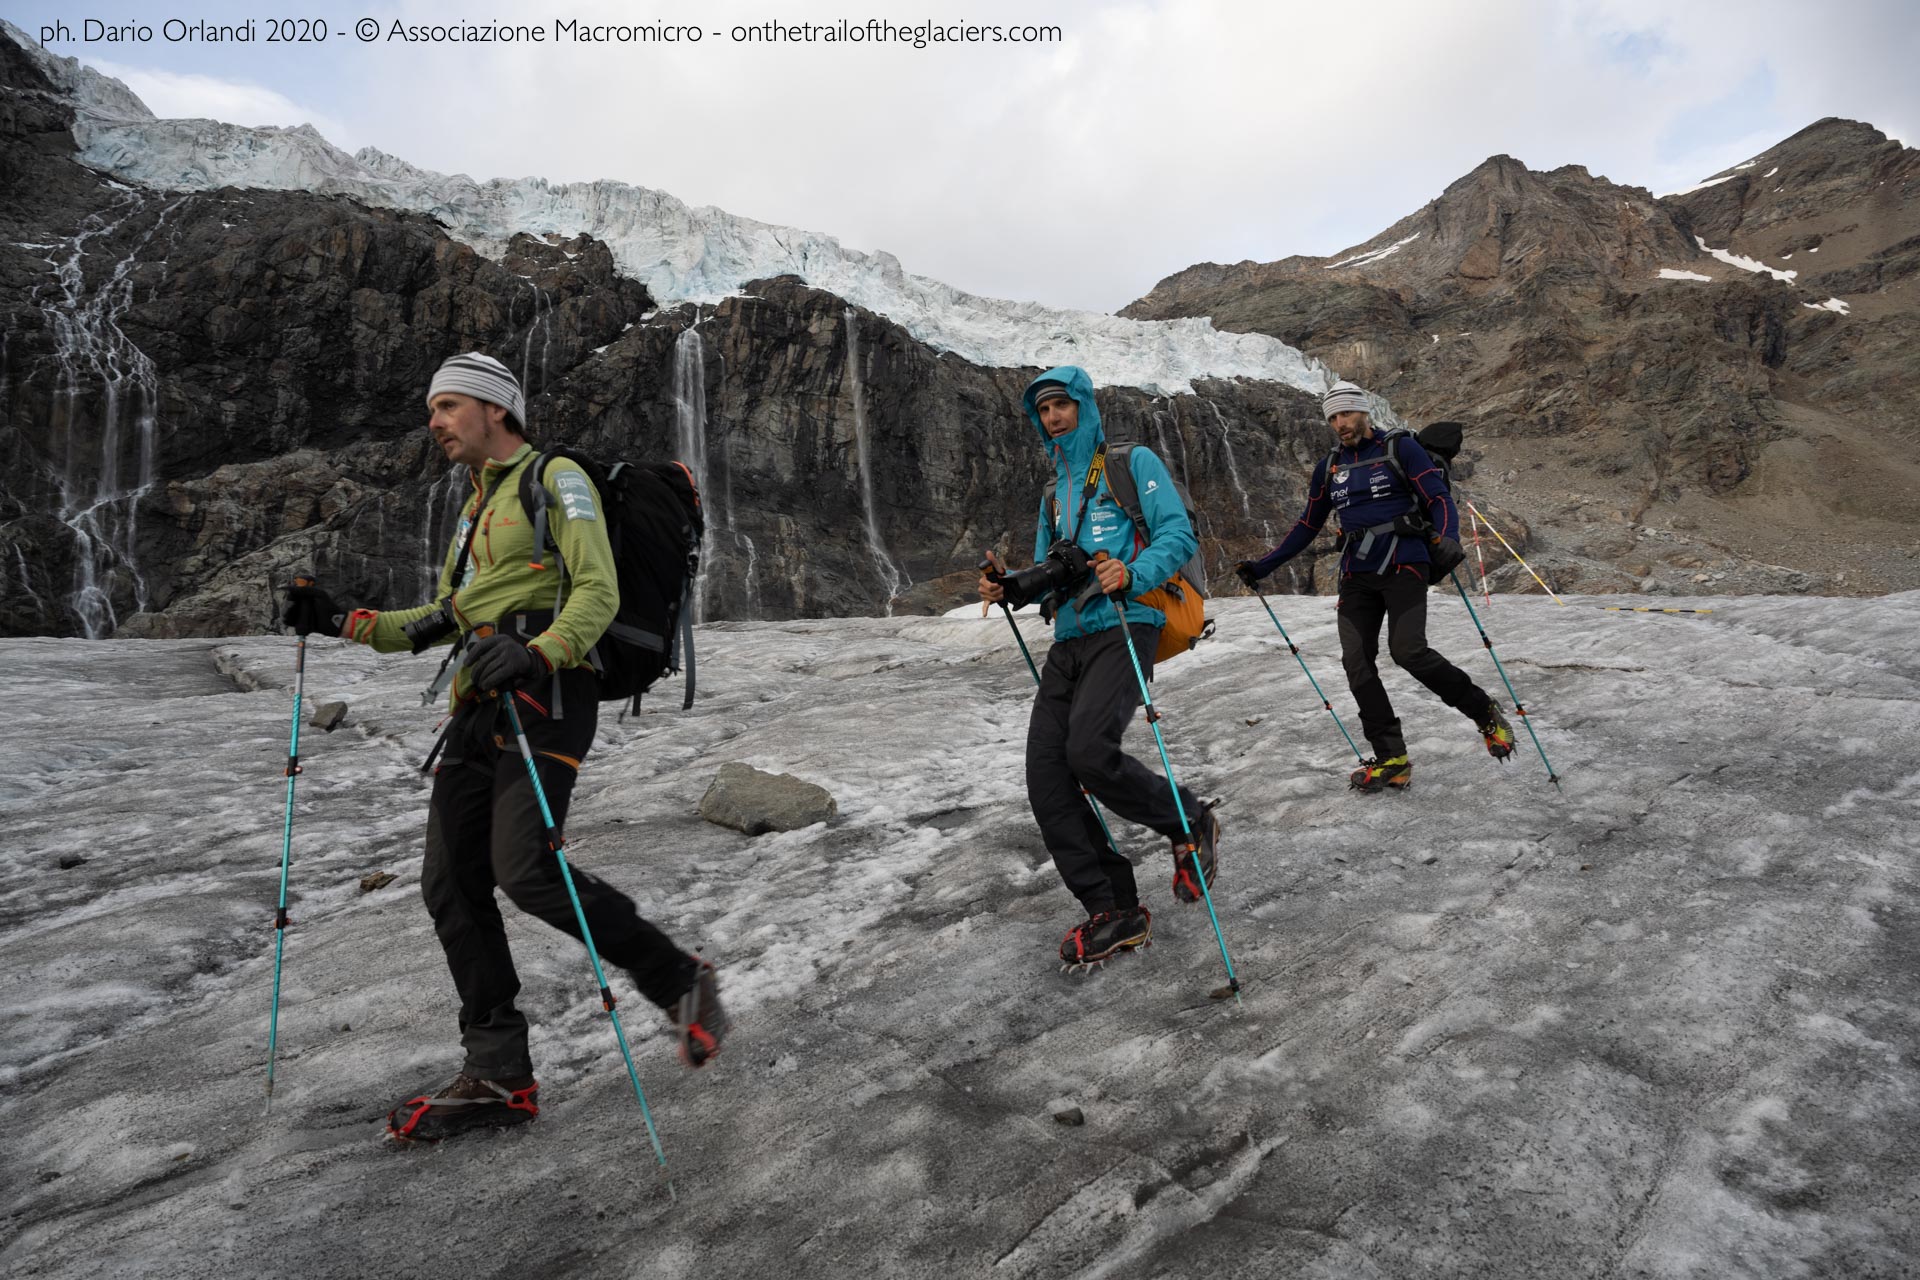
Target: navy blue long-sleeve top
column 1361, row 486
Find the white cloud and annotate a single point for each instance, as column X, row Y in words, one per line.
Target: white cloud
column 175, row 94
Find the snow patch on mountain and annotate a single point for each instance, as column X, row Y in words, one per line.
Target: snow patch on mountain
column 1669, row 273
column 681, row 253
column 1746, row 264
column 1374, row 255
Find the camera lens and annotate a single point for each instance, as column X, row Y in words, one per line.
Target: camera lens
column 424, row 633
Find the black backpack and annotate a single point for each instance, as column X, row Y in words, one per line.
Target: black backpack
column 654, row 524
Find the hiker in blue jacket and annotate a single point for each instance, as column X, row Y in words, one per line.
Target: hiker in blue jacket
column 1394, row 521
column 1088, row 693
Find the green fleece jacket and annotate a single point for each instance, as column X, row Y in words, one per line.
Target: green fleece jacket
column 500, row 578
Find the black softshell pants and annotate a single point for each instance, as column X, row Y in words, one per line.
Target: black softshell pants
column 485, row 831
column 1088, row 694
column 1401, row 598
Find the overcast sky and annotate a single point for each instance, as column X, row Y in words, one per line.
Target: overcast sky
column 1148, row 137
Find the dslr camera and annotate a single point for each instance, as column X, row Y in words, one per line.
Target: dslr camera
column 1060, row 572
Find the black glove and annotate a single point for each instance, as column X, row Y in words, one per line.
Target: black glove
column 1445, row 555
column 501, row 661
column 1248, row 572
column 310, row 609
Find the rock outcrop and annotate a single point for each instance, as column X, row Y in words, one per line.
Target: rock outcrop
column 1675, row 385
column 205, row 391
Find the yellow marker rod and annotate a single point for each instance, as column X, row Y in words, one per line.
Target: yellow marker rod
column 1516, row 555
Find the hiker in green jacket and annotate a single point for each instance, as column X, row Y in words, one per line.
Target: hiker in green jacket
column 484, row 827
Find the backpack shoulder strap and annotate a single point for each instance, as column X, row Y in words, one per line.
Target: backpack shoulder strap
column 1390, row 441
column 535, row 500
column 1125, row 492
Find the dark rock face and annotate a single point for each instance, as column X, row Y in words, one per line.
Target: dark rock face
column 205, row 392
column 1617, row 406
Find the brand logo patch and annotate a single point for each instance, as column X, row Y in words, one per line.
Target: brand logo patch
column 576, row 495
column 1152, row 485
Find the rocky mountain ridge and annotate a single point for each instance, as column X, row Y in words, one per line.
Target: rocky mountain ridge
column 1677, row 391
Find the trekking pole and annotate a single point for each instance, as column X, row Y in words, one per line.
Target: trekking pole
column 1310, row 680
column 1021, row 640
column 558, row 845
column 286, row 854
column 1186, row 825
column 1518, row 707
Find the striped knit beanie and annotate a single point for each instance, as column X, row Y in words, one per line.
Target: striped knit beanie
column 1345, row 398
column 483, row 378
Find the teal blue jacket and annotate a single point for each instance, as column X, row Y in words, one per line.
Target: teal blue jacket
column 1105, row 526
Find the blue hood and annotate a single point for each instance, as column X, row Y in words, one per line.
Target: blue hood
column 1075, row 449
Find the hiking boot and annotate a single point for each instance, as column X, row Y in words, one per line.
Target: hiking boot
column 1206, row 833
column 1104, row 935
column 468, row 1103
column 1497, row 732
column 703, row 1024
column 1394, row 773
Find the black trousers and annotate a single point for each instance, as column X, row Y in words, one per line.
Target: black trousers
column 484, row 831
column 1088, row 694
column 1401, row 598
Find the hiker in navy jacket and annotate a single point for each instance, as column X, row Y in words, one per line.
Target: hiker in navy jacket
column 1393, row 521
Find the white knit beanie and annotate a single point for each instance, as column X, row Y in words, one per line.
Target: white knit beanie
column 483, row 378
column 1345, row 398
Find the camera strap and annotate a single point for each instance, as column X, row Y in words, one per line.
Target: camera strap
column 1096, row 472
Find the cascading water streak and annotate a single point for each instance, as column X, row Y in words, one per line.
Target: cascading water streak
column 690, row 432
column 438, row 520
column 98, row 365
column 892, row 578
column 1233, row 466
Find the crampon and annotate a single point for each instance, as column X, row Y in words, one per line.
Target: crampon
column 1099, row 938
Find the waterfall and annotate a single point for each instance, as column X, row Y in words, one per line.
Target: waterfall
column 542, row 320
column 1233, row 467
column 438, row 521
column 26, row 579
column 891, row 577
column 91, row 352
column 690, row 431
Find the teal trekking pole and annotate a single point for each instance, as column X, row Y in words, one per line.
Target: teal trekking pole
column 1518, row 707
column 558, row 845
column 991, row 565
column 1186, row 824
column 1310, row 680
column 286, row 855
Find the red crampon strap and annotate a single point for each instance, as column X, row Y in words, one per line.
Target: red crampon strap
column 420, row 1107
column 518, row 1100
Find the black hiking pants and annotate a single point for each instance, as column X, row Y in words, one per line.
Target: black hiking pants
column 484, row 831
column 1087, row 697
column 1401, row 598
